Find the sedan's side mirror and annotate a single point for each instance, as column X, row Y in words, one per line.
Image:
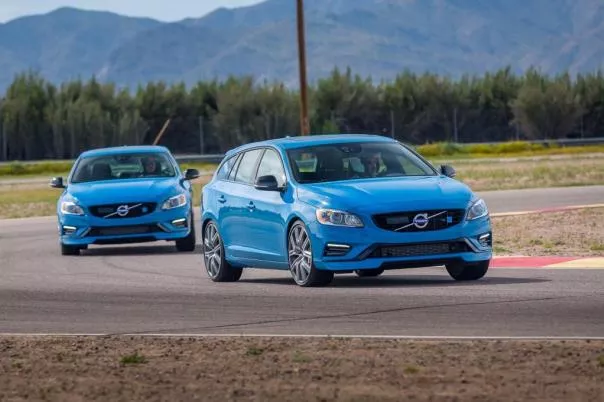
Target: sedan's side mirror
column 267, row 183
column 191, row 174
column 57, row 182
column 448, row 171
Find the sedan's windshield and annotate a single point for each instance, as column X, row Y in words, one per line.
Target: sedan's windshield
column 123, row 166
column 348, row 161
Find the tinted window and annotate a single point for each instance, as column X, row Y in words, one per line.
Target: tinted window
column 271, row 165
column 226, row 167
column 123, row 166
column 245, row 171
column 333, row 162
column 234, row 170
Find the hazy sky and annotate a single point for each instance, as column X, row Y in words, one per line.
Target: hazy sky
column 164, row 10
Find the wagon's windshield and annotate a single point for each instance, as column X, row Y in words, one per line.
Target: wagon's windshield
column 349, row 161
column 123, row 166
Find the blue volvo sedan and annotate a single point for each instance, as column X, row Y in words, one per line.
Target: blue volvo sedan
column 129, row 194
column 326, row 204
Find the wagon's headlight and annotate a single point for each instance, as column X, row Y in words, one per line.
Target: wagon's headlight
column 338, row 218
column 175, row 202
column 478, row 209
column 71, row 208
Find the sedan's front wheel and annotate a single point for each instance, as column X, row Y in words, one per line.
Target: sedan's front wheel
column 70, row 250
column 187, row 244
column 301, row 263
column 217, row 267
column 468, row 272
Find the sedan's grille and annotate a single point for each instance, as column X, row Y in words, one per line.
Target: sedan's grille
column 124, row 210
column 420, row 249
column 419, row 221
column 123, row 230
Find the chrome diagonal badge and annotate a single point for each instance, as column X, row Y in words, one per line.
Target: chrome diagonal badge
column 122, row 210
column 420, row 221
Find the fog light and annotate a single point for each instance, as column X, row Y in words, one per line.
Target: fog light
column 485, row 240
column 333, row 249
column 180, row 223
column 69, row 229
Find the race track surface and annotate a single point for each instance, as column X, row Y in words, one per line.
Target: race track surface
column 154, row 289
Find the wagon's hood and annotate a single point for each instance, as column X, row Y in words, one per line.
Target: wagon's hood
column 388, row 194
column 113, row 192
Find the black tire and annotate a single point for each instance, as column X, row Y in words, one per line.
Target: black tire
column 69, row 250
column 468, row 272
column 368, row 273
column 188, row 243
column 217, row 267
column 301, row 262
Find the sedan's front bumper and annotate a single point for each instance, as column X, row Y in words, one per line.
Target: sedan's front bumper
column 80, row 230
column 347, row 249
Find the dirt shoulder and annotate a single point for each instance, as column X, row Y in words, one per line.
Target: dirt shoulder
column 569, row 233
column 77, row 369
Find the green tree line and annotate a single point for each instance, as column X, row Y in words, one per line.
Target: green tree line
column 39, row 120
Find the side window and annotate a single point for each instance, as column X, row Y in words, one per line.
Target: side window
column 271, row 165
column 226, row 167
column 234, row 170
column 245, row 171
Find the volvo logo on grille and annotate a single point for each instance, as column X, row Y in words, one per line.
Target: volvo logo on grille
column 421, row 221
column 122, row 210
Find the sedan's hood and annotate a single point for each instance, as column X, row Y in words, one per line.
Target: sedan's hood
column 388, row 194
column 129, row 190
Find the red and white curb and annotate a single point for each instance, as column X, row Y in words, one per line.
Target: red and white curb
column 548, row 262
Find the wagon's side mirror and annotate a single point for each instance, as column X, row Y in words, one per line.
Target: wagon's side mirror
column 448, row 171
column 191, row 174
column 267, row 183
column 57, row 182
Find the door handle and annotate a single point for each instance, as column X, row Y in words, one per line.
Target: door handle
column 251, row 206
column 221, row 199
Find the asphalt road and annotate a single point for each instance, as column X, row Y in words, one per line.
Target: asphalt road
column 153, row 289
column 542, row 198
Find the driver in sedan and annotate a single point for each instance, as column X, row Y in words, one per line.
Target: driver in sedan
column 371, row 163
column 151, row 166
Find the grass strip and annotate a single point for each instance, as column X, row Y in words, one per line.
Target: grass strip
column 298, row 369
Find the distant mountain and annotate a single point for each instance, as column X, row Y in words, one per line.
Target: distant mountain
column 65, row 43
column 375, row 37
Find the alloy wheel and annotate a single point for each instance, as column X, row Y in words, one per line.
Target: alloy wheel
column 300, row 254
column 212, row 250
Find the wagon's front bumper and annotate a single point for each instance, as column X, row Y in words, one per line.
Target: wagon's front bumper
column 349, row 249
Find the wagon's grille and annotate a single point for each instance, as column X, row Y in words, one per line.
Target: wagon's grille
column 123, row 230
column 420, row 249
column 419, row 221
column 123, row 210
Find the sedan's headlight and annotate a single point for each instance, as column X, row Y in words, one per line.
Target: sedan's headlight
column 478, row 210
column 338, row 218
column 71, row 208
column 175, row 202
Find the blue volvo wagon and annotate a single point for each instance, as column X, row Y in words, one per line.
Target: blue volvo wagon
column 320, row 205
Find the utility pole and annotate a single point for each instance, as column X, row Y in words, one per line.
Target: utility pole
column 304, row 123
column 201, row 135
column 455, row 132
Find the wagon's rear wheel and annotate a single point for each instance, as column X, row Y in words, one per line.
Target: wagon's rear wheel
column 217, row 267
